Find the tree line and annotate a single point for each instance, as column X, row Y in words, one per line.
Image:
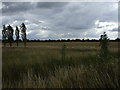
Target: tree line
column 103, row 44
column 69, row 40
column 8, row 32
column 7, row 36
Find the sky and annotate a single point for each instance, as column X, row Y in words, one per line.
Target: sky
column 63, row 20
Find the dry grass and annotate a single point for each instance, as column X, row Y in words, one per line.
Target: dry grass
column 40, row 65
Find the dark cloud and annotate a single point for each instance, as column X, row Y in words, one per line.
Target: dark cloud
column 59, row 19
column 100, row 26
column 11, row 8
column 49, row 5
column 114, row 30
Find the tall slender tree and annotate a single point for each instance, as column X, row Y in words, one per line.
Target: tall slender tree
column 4, row 36
column 104, row 43
column 10, row 34
column 17, row 35
column 23, row 31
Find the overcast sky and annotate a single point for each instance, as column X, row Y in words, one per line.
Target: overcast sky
column 63, row 20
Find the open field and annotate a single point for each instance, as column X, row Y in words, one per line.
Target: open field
column 52, row 65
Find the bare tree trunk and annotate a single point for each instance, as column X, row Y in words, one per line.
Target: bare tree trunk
column 4, row 43
column 10, row 44
column 10, row 41
column 24, row 43
column 17, row 41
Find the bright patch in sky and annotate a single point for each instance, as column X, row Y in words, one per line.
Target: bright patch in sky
column 106, row 25
column 63, row 20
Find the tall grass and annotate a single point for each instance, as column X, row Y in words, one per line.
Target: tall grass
column 38, row 67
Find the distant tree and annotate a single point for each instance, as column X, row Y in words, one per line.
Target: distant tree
column 23, row 31
column 10, row 34
column 17, row 35
column 87, row 39
column 77, row 39
column 68, row 40
column 4, row 36
column 104, row 42
column 117, row 39
column 83, row 40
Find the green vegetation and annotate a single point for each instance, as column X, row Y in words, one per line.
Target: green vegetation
column 59, row 65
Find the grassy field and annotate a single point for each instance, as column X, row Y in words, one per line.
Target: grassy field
column 53, row 65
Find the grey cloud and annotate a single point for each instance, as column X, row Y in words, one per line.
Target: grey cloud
column 61, row 18
column 100, row 27
column 79, row 16
column 11, row 8
column 114, row 30
column 49, row 5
